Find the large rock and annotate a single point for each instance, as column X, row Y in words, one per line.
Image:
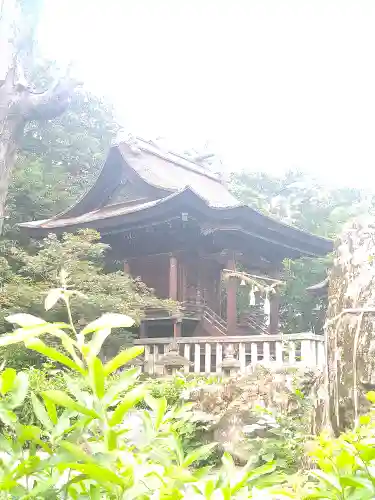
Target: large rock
column 231, row 408
column 351, row 324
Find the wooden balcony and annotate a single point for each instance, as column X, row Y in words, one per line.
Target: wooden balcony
column 209, row 354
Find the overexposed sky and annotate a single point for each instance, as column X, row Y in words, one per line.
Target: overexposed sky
column 270, row 84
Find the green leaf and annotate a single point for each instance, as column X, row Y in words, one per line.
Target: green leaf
column 328, row 479
column 109, row 320
column 97, row 377
column 198, row 454
column 8, row 379
column 28, row 433
column 19, row 391
column 112, row 439
column 126, row 379
column 39, row 346
column 356, row 482
column 22, row 334
column 40, row 412
column 371, row 396
column 51, row 410
column 228, row 463
column 23, row 319
column 76, row 451
column 100, row 474
column 159, row 406
column 8, row 417
column 181, row 474
column 122, row 358
column 97, row 341
column 251, row 475
column 60, row 398
column 52, row 298
column 129, row 400
column 26, row 467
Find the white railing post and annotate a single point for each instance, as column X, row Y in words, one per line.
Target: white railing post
column 197, row 358
column 266, row 353
column 306, row 353
column 207, row 360
column 242, row 356
column 187, row 356
column 254, row 353
column 148, row 363
column 292, row 353
column 219, row 357
column 279, row 353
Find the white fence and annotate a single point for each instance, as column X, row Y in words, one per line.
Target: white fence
column 213, row 354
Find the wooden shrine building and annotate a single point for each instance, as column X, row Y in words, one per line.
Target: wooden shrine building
column 175, row 225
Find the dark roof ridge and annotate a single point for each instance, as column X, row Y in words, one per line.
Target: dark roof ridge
column 178, row 159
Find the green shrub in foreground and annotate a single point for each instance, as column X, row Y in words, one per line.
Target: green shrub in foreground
column 91, row 441
column 87, row 438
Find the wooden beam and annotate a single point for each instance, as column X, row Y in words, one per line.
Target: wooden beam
column 173, row 277
column 231, row 298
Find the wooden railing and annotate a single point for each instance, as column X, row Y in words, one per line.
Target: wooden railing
column 211, row 354
column 216, row 322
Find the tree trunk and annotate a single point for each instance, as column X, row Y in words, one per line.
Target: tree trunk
column 8, row 148
column 18, row 104
column 350, row 324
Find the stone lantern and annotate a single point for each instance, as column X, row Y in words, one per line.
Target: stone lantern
column 230, row 365
column 172, row 361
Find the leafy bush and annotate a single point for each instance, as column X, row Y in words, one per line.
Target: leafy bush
column 346, row 465
column 26, row 277
column 91, row 441
column 84, row 437
column 281, row 438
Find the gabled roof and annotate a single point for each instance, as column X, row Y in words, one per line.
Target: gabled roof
column 173, row 184
column 171, row 172
column 161, row 172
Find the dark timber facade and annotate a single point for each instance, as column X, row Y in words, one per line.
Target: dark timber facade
column 175, row 225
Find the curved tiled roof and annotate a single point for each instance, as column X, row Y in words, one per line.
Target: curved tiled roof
column 171, row 172
column 172, row 184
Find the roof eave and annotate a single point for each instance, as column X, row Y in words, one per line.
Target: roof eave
column 309, row 245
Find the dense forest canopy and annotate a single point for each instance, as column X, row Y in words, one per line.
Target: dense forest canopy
column 298, row 199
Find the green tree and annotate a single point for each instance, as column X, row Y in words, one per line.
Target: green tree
column 59, row 158
column 299, row 200
column 26, row 277
column 20, row 101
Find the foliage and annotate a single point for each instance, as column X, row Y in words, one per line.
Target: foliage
column 280, row 437
column 170, row 389
column 346, row 464
column 58, row 158
column 297, row 199
column 83, row 256
column 85, row 436
column 93, row 443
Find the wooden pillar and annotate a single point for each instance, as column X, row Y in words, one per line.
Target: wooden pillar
column 177, row 328
column 231, row 299
column 173, row 277
column 274, row 312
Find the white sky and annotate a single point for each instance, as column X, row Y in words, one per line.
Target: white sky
column 271, row 84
